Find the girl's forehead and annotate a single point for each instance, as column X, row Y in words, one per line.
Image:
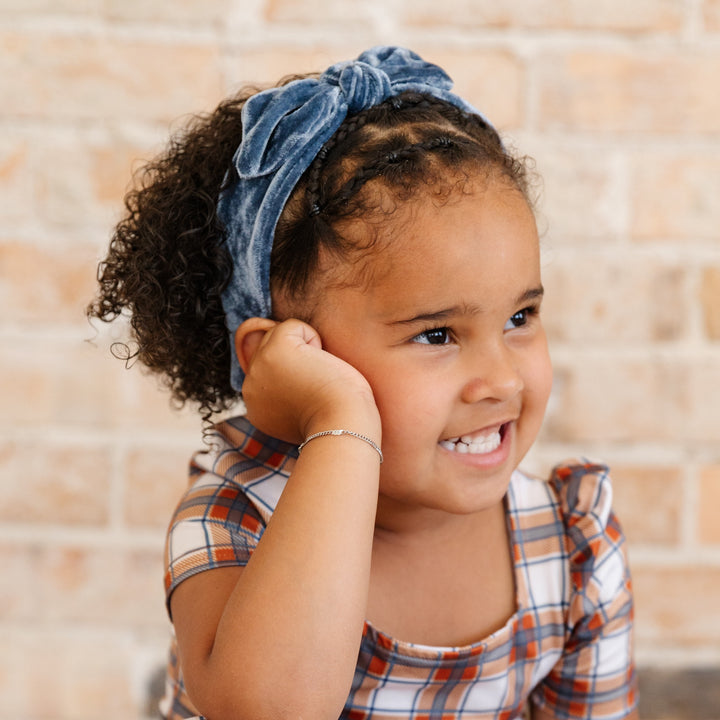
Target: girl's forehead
column 401, row 232
column 473, row 245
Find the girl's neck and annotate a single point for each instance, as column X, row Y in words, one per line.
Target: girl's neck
column 397, row 524
column 422, row 528
column 447, row 585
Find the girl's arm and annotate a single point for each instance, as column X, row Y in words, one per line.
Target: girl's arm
column 280, row 637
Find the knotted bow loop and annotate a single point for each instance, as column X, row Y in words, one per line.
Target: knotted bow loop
column 362, row 86
column 280, row 123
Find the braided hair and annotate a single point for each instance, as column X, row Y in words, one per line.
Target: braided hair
column 167, row 262
column 406, row 144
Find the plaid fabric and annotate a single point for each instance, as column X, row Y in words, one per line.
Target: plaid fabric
column 567, row 648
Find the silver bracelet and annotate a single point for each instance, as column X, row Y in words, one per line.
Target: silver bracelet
column 342, row 432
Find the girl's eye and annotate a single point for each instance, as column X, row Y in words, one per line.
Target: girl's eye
column 436, row 336
column 520, row 318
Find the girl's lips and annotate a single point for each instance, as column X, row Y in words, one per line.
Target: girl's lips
column 482, row 442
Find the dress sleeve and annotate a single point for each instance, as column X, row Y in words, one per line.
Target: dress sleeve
column 595, row 677
column 215, row 525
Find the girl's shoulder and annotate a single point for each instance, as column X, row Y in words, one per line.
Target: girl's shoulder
column 569, row 516
column 583, row 488
column 242, row 461
column 233, row 487
column 574, row 488
column 574, row 504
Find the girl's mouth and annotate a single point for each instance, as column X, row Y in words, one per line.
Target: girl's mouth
column 476, row 444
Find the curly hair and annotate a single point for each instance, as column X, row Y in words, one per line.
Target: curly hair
column 167, row 263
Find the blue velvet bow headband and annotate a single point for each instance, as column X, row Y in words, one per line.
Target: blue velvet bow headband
column 283, row 130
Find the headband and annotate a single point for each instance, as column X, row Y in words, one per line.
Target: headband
column 283, row 130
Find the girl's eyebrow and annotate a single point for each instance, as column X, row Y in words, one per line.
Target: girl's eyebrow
column 438, row 316
column 535, row 293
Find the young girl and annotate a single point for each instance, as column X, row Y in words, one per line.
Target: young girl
column 357, row 253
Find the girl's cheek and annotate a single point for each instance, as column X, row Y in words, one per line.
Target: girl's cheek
column 541, row 353
column 544, row 383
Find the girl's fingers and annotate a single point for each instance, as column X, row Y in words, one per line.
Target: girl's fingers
column 297, row 329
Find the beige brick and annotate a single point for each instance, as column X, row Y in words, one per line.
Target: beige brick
column 593, row 297
column 89, row 189
column 78, row 676
column 319, row 12
column 155, row 480
column 16, row 178
column 102, row 587
column 110, row 169
column 266, row 66
column 709, row 505
column 644, row 15
column 72, row 8
column 49, row 483
column 20, row 563
column 675, row 196
column 492, row 81
column 711, row 15
column 625, row 401
column 648, row 501
column 45, row 283
column 144, row 402
column 38, row 389
column 677, row 606
column 56, row 382
column 104, row 78
column 710, row 301
column 582, row 198
column 604, row 91
column 180, row 12
column 76, row 384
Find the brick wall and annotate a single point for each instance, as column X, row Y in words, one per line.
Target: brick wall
column 618, row 101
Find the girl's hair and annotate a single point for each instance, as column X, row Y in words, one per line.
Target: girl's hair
column 167, row 263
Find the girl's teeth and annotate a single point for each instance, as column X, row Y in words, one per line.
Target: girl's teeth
column 468, row 444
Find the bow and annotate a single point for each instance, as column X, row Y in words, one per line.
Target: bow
column 282, row 122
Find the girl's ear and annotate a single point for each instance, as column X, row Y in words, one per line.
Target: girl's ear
column 248, row 338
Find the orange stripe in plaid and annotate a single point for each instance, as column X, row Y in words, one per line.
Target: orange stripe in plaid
column 377, row 666
column 355, row 715
column 218, row 512
column 253, row 448
column 445, row 673
column 223, row 555
column 276, row 460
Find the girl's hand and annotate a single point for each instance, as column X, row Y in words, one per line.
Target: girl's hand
column 294, row 388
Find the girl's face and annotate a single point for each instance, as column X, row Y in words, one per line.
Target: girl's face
column 445, row 327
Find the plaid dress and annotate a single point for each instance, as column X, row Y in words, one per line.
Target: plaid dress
column 567, row 648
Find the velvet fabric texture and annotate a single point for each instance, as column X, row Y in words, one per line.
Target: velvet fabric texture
column 284, row 128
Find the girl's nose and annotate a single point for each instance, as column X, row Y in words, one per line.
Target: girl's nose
column 495, row 377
